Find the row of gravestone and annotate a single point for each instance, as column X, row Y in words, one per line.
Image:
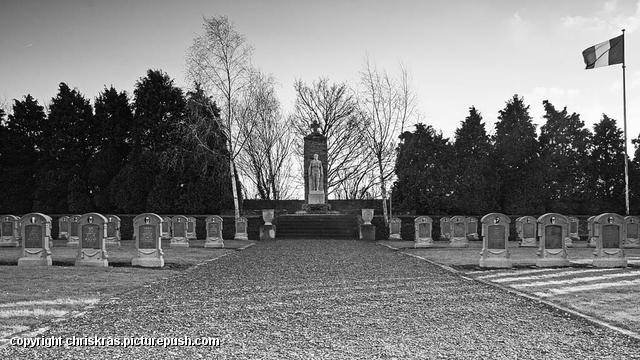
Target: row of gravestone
column 92, row 230
column 609, row 232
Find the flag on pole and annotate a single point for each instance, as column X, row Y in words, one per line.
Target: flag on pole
column 604, row 54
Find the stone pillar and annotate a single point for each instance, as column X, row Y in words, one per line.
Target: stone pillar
column 315, row 143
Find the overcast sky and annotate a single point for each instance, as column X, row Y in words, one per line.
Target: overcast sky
column 460, row 53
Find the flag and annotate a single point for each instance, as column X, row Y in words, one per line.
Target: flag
column 604, row 54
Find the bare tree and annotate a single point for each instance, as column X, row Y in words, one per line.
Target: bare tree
column 334, row 107
column 219, row 61
column 265, row 159
column 388, row 104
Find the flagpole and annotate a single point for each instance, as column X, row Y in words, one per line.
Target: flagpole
column 624, row 112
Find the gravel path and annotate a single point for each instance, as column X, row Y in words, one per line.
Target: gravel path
column 300, row 299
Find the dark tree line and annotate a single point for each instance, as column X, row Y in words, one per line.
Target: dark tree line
column 122, row 155
column 567, row 168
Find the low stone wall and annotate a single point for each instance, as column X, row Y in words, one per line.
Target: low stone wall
column 291, row 206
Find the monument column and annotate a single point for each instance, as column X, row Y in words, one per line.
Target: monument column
column 315, row 143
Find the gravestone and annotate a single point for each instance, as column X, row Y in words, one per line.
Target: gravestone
column 592, row 242
column 423, row 228
column 610, row 232
column 366, row 229
column 92, row 230
column 573, row 231
column 553, row 229
column 36, row 234
column 472, row 229
column 527, row 229
column 315, row 160
column 268, row 230
column 241, row 229
column 459, row 232
column 191, row 228
column 179, row 231
column 63, row 228
column 113, row 230
column 9, row 231
column 631, row 224
column 74, row 234
column 445, row 228
column 214, row 232
column 165, row 231
column 495, row 241
column 146, row 228
column 395, row 226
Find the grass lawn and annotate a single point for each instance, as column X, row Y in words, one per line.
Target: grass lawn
column 31, row 295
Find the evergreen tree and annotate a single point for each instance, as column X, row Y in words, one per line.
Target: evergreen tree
column 564, row 147
column 607, row 166
column 515, row 160
column 423, row 168
column 474, row 185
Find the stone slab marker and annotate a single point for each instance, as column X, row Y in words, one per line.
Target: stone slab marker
column 214, row 232
column 593, row 241
column 366, row 229
column 423, row 228
column 610, row 232
column 146, row 228
column 631, row 224
column 241, row 229
column 395, row 226
column 472, row 228
column 74, row 231
column 268, row 230
column 459, row 232
column 495, row 241
column 527, row 227
column 552, row 251
column 445, row 228
column 191, row 228
column 113, row 230
column 179, row 231
column 165, row 231
column 9, row 231
column 63, row 228
column 93, row 234
column 36, row 234
column 573, row 231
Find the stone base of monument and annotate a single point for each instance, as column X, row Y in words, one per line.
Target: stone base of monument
column 149, row 258
column 267, row 232
column 568, row 242
column 217, row 243
column 552, row 262
column 316, row 197
column 459, row 242
column 631, row 243
column 473, row 237
column 9, row 243
column 316, row 208
column 35, row 257
column 93, row 258
column 241, row 236
column 423, row 243
column 367, row 232
column 610, row 259
column 180, row 242
column 112, row 243
column 528, row 242
column 592, row 242
column 495, row 262
column 74, row 241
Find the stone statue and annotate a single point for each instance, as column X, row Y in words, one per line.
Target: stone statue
column 316, row 174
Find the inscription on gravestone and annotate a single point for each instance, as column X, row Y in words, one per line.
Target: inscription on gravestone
column 147, row 235
column 91, row 236
column 190, row 227
column 458, row 230
column 111, row 229
column 529, row 230
column 574, row 227
column 7, row 229
column 424, row 230
column 496, row 237
column 178, row 229
column 446, row 227
column 74, row 228
column 473, row 227
column 165, row 227
column 610, row 236
column 213, row 229
column 64, row 226
column 632, row 231
column 33, row 234
column 553, row 237
column 241, row 226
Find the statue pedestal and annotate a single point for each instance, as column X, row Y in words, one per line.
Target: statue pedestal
column 316, row 197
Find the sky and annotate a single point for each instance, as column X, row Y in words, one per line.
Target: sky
column 459, row 53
